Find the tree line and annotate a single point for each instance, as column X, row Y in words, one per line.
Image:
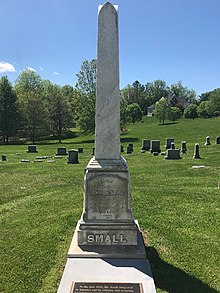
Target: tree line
column 34, row 108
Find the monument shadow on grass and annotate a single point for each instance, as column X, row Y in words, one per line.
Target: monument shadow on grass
column 172, row 279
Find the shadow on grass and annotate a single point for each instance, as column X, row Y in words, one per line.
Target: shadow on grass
column 129, row 139
column 172, row 279
column 168, row 123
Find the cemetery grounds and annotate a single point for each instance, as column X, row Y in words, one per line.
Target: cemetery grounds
column 177, row 206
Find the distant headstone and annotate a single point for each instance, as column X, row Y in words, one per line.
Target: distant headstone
column 32, row 149
column 80, row 150
column 122, row 149
column 50, row 161
column 129, row 150
column 172, row 145
column 24, row 161
column 4, row 158
column 58, row 157
column 173, row 154
column 61, row 151
column 19, row 154
column 43, row 157
column 183, row 147
column 168, row 142
column 93, row 151
column 145, row 145
column 73, row 157
column 217, row 140
column 163, row 153
column 155, row 146
column 143, row 151
column 196, row 152
column 131, row 146
column 208, row 141
column 38, row 161
column 155, row 154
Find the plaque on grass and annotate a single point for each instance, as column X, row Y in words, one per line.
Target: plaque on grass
column 88, row 287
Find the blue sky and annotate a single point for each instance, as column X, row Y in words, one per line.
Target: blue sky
column 170, row 40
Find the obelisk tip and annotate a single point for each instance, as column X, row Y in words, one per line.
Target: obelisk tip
column 108, row 3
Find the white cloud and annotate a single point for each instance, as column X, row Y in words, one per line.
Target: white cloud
column 41, row 69
column 31, row 68
column 56, row 73
column 6, row 67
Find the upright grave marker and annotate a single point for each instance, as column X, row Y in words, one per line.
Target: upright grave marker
column 107, row 239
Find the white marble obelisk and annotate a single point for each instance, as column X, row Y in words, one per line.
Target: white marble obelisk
column 107, row 249
column 107, row 140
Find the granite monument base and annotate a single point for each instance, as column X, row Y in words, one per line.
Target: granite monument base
column 117, row 250
column 99, row 274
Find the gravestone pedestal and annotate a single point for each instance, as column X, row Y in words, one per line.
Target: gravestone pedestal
column 107, row 225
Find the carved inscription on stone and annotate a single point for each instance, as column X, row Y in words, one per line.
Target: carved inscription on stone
column 107, row 197
column 86, row 287
column 106, row 239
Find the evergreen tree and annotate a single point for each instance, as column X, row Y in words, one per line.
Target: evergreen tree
column 8, row 109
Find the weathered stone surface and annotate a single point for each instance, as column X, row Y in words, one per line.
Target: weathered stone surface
column 173, row 154
column 4, row 158
column 208, row 140
column 172, row 145
column 107, row 96
column 32, row 149
column 145, row 145
column 155, row 146
column 196, row 152
column 72, row 157
column 168, row 142
column 110, row 191
column 80, row 150
column 183, row 147
column 61, row 151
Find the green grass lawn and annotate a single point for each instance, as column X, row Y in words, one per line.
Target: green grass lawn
column 177, row 206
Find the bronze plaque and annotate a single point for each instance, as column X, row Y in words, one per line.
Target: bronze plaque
column 88, row 287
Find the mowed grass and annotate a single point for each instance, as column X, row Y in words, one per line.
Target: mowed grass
column 177, row 206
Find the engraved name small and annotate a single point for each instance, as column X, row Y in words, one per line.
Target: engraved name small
column 106, row 238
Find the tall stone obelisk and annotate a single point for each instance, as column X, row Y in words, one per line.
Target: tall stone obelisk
column 107, row 140
column 107, row 227
column 107, row 253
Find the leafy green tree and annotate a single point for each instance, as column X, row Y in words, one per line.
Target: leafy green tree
column 123, row 114
column 85, row 112
column 155, row 91
column 59, row 112
column 135, row 93
column 134, row 112
column 191, row 111
column 84, row 101
column 202, row 109
column 8, row 109
column 213, row 106
column 86, row 78
column 174, row 114
column 180, row 91
column 28, row 87
column 161, row 110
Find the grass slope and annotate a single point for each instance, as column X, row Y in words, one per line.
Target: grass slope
column 177, row 208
